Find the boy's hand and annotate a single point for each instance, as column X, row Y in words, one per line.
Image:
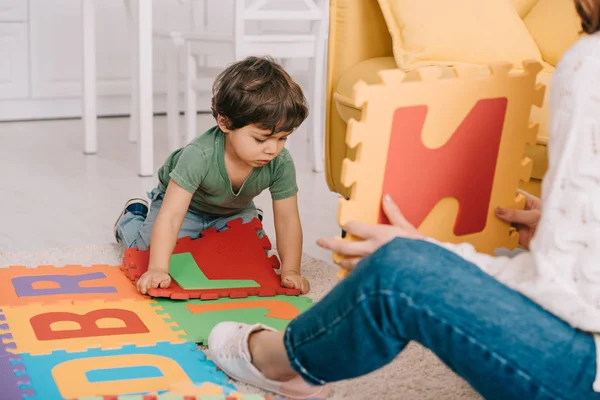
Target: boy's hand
column 153, row 279
column 293, row 280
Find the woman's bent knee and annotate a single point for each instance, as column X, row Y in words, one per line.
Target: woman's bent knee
column 403, row 263
column 403, row 254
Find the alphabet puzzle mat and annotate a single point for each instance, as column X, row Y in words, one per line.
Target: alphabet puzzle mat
column 85, row 332
column 448, row 149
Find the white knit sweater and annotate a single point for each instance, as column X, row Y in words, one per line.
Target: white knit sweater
column 561, row 272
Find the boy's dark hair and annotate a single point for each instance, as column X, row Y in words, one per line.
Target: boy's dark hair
column 258, row 91
column 589, row 12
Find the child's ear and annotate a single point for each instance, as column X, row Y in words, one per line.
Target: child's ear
column 223, row 122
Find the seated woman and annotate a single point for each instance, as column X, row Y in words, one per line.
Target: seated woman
column 522, row 328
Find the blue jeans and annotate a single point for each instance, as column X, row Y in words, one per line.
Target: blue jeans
column 135, row 230
column 503, row 344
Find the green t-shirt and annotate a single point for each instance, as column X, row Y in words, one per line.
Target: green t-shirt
column 199, row 168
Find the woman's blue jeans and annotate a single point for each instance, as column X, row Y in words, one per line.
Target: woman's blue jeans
column 503, row 344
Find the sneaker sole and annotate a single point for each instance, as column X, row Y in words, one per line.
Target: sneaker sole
column 323, row 391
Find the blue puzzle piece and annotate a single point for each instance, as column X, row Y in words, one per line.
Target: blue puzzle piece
column 43, row 372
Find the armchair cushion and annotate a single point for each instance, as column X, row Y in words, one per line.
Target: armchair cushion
column 445, row 36
column 555, row 26
column 524, row 6
column 366, row 71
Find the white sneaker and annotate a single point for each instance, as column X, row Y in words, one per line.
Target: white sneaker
column 228, row 345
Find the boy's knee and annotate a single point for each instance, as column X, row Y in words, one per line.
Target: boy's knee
column 139, row 244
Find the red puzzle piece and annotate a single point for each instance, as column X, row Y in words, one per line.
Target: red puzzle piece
column 235, row 253
column 469, row 152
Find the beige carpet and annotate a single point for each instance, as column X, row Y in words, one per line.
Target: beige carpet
column 415, row 374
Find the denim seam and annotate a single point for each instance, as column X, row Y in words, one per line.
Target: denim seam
column 291, row 353
column 410, row 303
column 296, row 365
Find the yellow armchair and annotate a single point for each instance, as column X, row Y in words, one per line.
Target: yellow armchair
column 360, row 45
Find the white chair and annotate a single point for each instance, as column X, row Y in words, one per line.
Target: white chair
column 201, row 43
column 141, row 128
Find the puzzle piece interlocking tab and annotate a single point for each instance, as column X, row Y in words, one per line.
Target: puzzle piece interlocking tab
column 448, row 145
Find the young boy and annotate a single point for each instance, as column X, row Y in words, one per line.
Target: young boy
column 215, row 178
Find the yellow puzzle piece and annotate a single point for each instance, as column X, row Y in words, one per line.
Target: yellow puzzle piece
column 448, row 146
column 82, row 325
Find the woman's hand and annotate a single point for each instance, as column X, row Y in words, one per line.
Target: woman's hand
column 374, row 235
column 526, row 220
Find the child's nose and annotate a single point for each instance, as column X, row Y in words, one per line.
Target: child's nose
column 271, row 147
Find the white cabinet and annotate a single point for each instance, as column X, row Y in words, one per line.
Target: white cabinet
column 56, row 48
column 41, row 56
column 14, row 46
column 14, row 63
column 13, row 10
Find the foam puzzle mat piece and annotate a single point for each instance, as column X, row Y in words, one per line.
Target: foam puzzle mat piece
column 93, row 324
column 198, row 317
column 128, row 370
column 250, row 396
column 48, row 284
column 7, row 344
column 236, row 253
column 207, row 388
column 169, row 397
column 142, row 397
column 187, row 391
column 186, row 272
column 448, row 177
column 14, row 382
